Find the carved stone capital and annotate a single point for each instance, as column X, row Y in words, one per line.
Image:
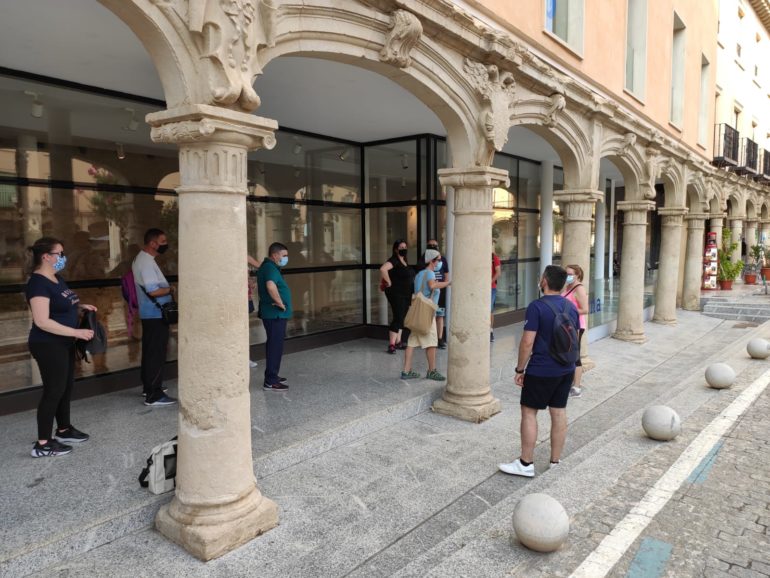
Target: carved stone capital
column 635, row 212
column 736, row 221
column 751, row 223
column 672, row 216
column 473, row 187
column 696, row 221
column 717, row 219
column 577, row 204
column 629, row 140
column 405, row 32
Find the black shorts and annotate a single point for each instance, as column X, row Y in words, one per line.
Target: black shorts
column 542, row 392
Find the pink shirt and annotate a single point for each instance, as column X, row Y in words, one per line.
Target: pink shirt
column 573, row 299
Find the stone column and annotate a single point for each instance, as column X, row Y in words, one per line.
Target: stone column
column 764, row 232
column 630, row 308
column 751, row 237
column 217, row 505
column 716, row 222
column 467, row 394
column 668, row 268
column 693, row 264
column 577, row 208
column 736, row 230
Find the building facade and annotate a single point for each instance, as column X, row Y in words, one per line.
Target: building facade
column 529, row 129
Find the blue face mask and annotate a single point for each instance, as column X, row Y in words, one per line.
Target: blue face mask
column 438, row 266
column 61, row 261
column 283, row 262
column 570, row 279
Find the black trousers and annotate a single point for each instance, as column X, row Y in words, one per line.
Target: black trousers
column 399, row 304
column 275, row 330
column 154, row 346
column 56, row 360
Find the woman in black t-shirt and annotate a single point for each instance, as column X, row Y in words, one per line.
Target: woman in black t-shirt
column 55, row 315
column 397, row 279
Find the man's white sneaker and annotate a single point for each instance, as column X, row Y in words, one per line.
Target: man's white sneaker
column 518, row 469
column 252, row 364
column 575, row 391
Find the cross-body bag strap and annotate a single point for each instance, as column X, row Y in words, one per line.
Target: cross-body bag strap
column 158, row 305
column 422, row 285
column 571, row 290
column 556, row 313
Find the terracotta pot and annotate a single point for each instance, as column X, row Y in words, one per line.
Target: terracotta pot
column 725, row 285
column 750, row 278
column 766, row 273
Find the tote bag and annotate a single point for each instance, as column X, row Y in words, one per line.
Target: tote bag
column 419, row 318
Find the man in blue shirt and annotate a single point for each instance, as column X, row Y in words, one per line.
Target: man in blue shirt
column 545, row 382
column 149, row 279
column 274, row 311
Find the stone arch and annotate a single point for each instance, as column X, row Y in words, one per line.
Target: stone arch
column 735, row 202
column 621, row 151
column 751, row 206
column 764, row 209
column 676, row 184
column 696, row 194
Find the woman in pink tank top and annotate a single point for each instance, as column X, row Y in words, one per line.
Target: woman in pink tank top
column 575, row 293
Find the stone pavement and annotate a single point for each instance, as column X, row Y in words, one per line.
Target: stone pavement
column 382, row 487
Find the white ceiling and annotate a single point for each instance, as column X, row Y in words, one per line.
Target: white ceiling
column 95, row 48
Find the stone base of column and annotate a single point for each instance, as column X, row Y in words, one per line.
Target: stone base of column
column 664, row 320
column 629, row 335
column 691, row 306
column 208, row 532
column 587, row 363
column 475, row 410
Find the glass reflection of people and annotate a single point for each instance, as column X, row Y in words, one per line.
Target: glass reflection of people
column 397, row 278
column 55, row 318
column 300, row 289
column 575, row 292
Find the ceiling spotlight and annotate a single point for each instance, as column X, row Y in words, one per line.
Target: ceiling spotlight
column 345, row 153
column 119, row 151
column 297, row 146
column 404, row 161
column 132, row 123
column 37, row 106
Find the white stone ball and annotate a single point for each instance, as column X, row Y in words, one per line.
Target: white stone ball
column 661, row 423
column 758, row 348
column 720, row 375
column 540, row 522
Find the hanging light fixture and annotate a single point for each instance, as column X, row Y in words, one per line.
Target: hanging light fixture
column 37, row 107
column 404, row 161
column 120, row 151
column 132, row 123
column 297, row 147
column 345, row 153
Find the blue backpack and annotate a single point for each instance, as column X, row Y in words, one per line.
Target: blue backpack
column 565, row 343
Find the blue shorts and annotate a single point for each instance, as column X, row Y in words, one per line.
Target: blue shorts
column 441, row 312
column 494, row 297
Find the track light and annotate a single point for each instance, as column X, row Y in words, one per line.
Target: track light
column 404, row 161
column 297, row 147
column 345, row 153
column 119, row 151
column 132, row 123
column 37, row 106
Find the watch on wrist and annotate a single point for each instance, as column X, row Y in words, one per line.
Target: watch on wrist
column 517, row 370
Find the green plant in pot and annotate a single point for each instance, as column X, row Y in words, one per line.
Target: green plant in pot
column 751, row 270
column 727, row 270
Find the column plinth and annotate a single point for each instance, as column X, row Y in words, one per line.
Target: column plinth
column 693, row 264
column 217, row 505
column 468, row 395
column 631, row 307
column 668, row 267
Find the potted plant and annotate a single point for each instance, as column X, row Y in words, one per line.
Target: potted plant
column 727, row 271
column 765, row 263
column 752, row 269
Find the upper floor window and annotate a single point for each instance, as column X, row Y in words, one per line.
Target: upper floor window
column 564, row 18
column 636, row 47
column 677, row 72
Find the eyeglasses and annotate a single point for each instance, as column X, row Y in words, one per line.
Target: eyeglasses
column 59, row 254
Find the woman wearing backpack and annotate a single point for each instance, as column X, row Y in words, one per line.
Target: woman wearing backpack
column 575, row 292
column 55, row 308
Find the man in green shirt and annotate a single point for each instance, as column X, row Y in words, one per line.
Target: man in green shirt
column 274, row 311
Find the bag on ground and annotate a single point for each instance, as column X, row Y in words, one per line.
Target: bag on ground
column 565, row 345
column 160, row 474
column 419, row 318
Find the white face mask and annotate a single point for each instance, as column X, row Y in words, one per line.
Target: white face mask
column 570, row 279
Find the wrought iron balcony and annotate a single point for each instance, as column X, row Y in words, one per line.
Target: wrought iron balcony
column 726, row 145
column 764, row 173
column 748, row 162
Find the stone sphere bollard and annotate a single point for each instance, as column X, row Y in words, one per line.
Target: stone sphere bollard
column 540, row 522
column 661, row 423
column 720, row 375
column 758, row 348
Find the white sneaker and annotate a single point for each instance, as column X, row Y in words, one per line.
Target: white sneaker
column 518, row 469
column 575, row 391
column 552, row 465
column 252, row 364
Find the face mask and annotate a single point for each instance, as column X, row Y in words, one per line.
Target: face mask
column 61, row 261
column 283, row 262
column 403, row 252
column 438, row 266
column 570, row 279
column 162, row 248
column 434, row 247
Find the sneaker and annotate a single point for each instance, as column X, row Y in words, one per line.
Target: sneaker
column 275, row 387
column 70, row 435
column 282, row 379
column 435, row 376
column 391, row 349
column 163, row 389
column 401, row 345
column 491, row 336
column 50, row 449
column 442, row 344
column 409, row 375
column 552, row 465
column 575, row 391
column 518, row 469
column 162, row 400
column 252, row 364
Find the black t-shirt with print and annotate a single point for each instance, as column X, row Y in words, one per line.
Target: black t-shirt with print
column 62, row 308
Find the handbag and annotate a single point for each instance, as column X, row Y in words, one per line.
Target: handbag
column 419, row 318
column 98, row 343
column 160, row 474
column 169, row 312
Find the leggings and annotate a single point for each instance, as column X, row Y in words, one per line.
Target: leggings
column 579, row 362
column 56, row 360
column 399, row 305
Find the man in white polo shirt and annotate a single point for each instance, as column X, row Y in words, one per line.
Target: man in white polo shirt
column 152, row 291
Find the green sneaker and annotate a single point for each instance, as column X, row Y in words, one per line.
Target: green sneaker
column 409, row 375
column 435, row 376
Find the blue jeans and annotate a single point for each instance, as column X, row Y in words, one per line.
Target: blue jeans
column 276, row 333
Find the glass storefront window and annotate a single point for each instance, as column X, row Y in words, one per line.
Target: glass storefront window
column 391, row 172
column 387, row 224
column 324, row 300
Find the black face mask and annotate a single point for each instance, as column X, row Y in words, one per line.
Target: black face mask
column 403, row 252
column 162, row 248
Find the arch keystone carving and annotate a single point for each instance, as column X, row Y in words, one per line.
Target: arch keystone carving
column 405, row 32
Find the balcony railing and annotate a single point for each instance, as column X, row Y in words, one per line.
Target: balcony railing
column 764, row 173
column 726, row 145
column 748, row 163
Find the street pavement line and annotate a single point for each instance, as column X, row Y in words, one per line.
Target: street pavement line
column 620, row 539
